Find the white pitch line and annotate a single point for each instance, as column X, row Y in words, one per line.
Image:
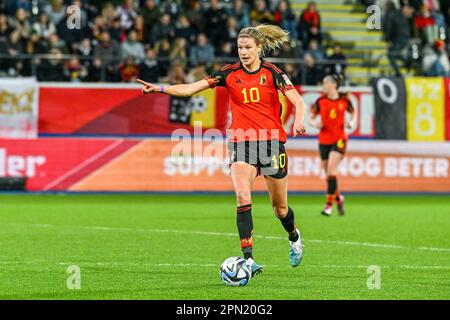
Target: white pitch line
column 223, row 234
column 211, row 265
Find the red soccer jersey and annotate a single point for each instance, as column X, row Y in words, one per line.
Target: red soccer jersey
column 254, row 101
column 332, row 113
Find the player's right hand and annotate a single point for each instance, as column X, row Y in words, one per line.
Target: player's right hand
column 148, row 87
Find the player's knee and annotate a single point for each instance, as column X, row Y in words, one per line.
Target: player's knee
column 243, row 197
column 280, row 210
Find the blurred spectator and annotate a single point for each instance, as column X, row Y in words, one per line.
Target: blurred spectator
column 98, row 27
column 240, row 12
column 126, row 13
column 149, row 69
column 95, row 71
column 310, row 73
column 162, row 49
column 426, row 25
column 315, row 50
column 195, row 16
column 309, row 26
column 22, row 25
column 128, row 70
column 74, row 71
column 178, row 52
column 176, row 74
column 289, row 50
column 14, row 49
column 108, row 13
column 228, row 50
column 115, row 31
column 260, row 13
column 56, row 11
column 85, row 51
column 292, row 73
column 216, row 22
column 5, row 28
column 337, row 61
column 285, row 18
column 151, row 14
column 184, row 30
column 397, row 34
column 44, row 27
column 141, row 31
column 203, row 52
column 197, row 73
column 109, row 50
column 232, row 31
column 51, row 69
column 435, row 61
column 107, row 47
column 133, row 48
column 164, row 29
column 55, row 42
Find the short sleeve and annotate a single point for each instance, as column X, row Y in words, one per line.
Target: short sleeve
column 216, row 79
column 350, row 107
column 282, row 82
column 315, row 107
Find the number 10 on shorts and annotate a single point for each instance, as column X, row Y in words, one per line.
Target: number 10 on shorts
column 279, row 162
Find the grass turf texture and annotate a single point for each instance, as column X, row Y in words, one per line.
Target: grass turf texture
column 171, row 247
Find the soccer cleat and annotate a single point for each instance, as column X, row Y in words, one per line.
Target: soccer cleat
column 296, row 251
column 327, row 210
column 340, row 205
column 256, row 268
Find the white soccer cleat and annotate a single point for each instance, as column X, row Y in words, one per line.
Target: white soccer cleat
column 327, row 210
column 296, row 251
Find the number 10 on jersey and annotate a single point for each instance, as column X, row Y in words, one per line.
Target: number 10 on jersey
column 253, row 94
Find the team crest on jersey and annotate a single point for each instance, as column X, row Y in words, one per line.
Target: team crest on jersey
column 262, row 79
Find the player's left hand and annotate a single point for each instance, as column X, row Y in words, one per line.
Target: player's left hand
column 299, row 129
column 350, row 125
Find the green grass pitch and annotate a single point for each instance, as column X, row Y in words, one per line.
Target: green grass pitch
column 171, row 247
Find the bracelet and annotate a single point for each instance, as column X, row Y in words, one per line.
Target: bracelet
column 161, row 89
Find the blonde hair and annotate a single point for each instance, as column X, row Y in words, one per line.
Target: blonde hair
column 269, row 36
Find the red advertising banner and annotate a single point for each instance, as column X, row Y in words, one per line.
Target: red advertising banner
column 115, row 109
column 447, row 108
column 158, row 165
column 124, row 110
column 55, row 164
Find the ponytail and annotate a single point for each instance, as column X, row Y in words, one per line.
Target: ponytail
column 269, row 36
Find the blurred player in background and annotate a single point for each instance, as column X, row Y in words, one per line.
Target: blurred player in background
column 253, row 85
column 331, row 107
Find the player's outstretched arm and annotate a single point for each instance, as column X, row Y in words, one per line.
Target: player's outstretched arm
column 300, row 109
column 179, row 90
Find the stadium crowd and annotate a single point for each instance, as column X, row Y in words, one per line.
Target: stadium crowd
column 160, row 40
column 416, row 31
column 157, row 40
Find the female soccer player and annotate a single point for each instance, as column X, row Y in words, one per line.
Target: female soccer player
column 332, row 137
column 256, row 135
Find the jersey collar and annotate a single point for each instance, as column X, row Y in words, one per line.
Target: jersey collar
column 253, row 72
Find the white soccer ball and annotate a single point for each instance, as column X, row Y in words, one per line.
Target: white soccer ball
column 234, row 271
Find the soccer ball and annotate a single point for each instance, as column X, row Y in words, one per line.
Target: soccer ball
column 234, row 271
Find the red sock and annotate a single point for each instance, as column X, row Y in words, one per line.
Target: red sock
column 329, row 199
